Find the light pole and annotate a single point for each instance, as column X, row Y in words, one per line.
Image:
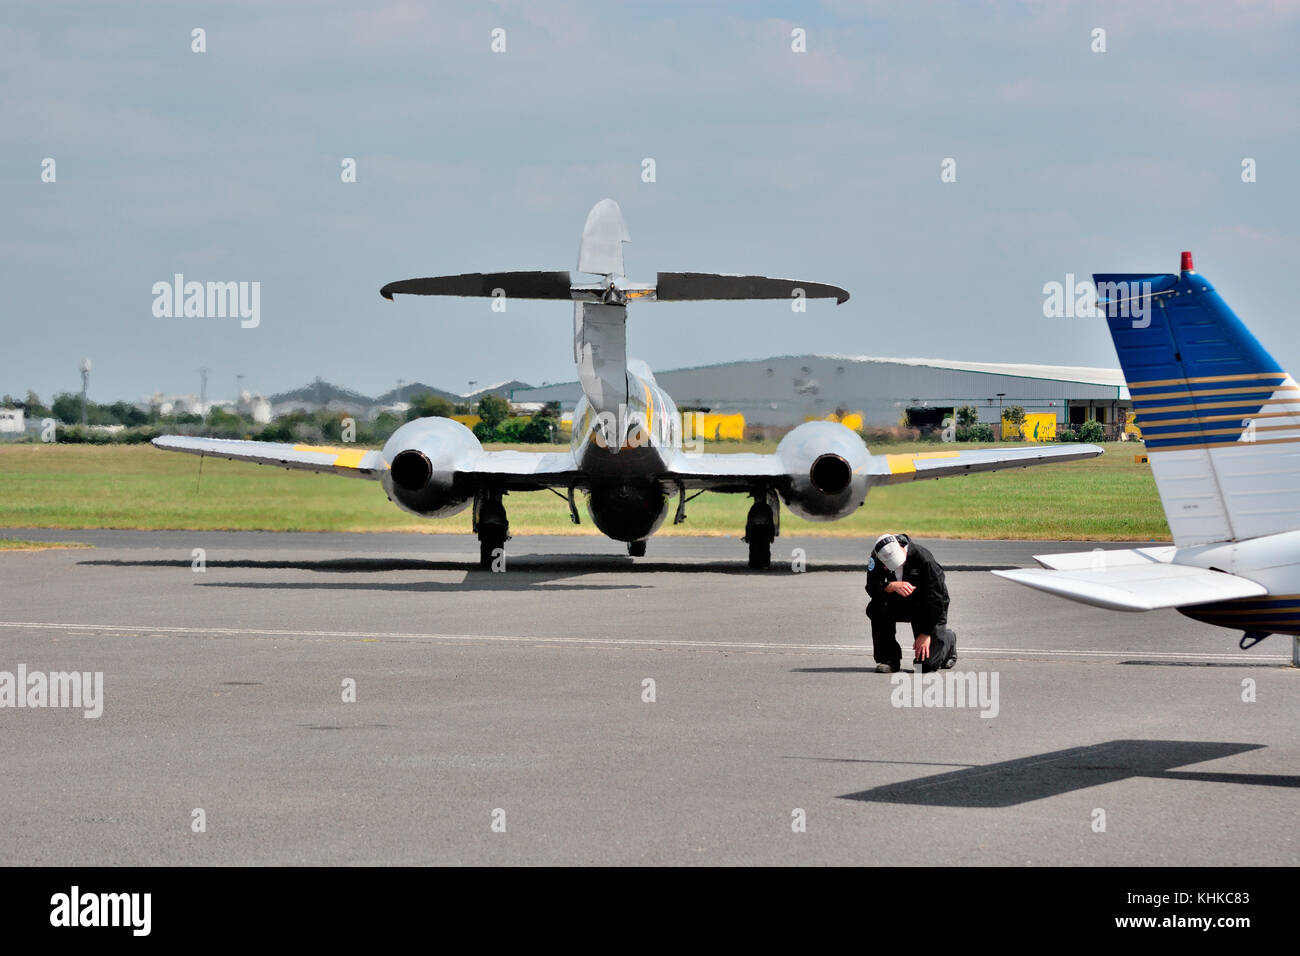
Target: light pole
column 85, row 388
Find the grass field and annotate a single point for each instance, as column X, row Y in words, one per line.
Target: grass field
column 126, row 486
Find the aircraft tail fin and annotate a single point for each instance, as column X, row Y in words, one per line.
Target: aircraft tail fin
column 601, row 249
column 1220, row 417
column 600, row 351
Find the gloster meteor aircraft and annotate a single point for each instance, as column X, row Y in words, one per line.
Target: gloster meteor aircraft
column 1221, row 421
column 627, row 455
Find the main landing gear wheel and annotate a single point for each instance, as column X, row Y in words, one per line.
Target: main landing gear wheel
column 493, row 529
column 636, row 549
column 760, row 531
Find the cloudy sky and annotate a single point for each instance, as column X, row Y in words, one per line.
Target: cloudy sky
column 824, row 165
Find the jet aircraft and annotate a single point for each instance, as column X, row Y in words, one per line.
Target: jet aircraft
column 627, row 454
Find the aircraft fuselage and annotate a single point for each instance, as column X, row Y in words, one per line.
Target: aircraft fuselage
column 624, row 448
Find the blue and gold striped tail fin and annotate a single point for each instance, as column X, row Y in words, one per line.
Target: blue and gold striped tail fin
column 1220, row 417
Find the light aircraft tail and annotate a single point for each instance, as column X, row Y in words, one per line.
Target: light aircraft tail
column 1220, row 417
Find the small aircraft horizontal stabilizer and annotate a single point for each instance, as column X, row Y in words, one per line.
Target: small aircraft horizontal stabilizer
column 1134, row 587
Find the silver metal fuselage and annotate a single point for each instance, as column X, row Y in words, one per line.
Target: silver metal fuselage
column 625, row 427
column 632, row 439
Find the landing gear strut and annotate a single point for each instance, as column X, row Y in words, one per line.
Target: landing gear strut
column 636, row 549
column 761, row 528
column 492, row 527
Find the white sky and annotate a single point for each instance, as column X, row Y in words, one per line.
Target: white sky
column 822, row 166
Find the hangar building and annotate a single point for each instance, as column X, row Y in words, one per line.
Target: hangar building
column 787, row 390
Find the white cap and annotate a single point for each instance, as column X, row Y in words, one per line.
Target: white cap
column 890, row 551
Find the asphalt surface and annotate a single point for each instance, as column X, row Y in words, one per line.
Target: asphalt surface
column 518, row 697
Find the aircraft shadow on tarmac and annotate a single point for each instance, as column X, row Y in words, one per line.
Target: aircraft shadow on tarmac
column 513, row 579
column 532, row 563
column 525, row 572
column 1014, row 782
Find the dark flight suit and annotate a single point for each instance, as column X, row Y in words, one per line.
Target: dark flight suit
column 926, row 608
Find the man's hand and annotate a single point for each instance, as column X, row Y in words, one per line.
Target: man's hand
column 901, row 588
column 921, row 647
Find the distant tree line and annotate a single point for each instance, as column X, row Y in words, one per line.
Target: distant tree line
column 495, row 423
column 141, row 425
column 66, row 409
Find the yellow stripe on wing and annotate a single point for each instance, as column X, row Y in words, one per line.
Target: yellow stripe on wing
column 343, row 457
column 906, row 464
column 349, row 459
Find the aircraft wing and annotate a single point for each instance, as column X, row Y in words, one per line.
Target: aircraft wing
column 511, row 470
column 722, row 471
column 734, row 470
column 1138, row 580
column 354, row 462
column 524, row 470
column 893, row 469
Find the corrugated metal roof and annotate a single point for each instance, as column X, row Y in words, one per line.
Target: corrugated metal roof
column 1065, row 373
column 1084, row 375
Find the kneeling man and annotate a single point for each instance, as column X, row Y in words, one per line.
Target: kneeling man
column 905, row 583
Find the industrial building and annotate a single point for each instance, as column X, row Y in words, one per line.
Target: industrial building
column 787, row 390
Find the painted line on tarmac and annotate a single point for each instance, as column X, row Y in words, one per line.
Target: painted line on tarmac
column 1140, row 655
column 852, row 649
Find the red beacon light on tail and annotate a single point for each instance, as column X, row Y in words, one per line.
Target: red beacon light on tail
column 1187, row 262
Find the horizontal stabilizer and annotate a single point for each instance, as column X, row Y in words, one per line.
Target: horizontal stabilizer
column 1100, row 558
column 514, row 285
column 696, row 286
column 1138, row 587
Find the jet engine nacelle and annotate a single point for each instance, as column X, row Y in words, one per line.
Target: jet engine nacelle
column 826, row 469
column 422, row 458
